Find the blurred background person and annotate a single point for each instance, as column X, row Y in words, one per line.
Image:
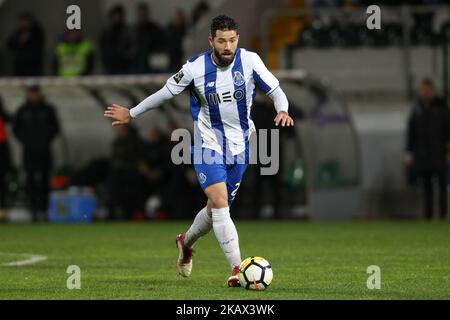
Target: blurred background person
column 115, row 43
column 74, row 55
column 176, row 31
column 4, row 159
column 35, row 125
column 200, row 9
column 182, row 192
column 27, row 46
column 157, row 169
column 269, row 186
column 126, row 182
column 263, row 114
column 2, row 62
column 148, row 38
column 428, row 142
column 314, row 4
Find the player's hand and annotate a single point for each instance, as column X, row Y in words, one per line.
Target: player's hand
column 284, row 118
column 119, row 115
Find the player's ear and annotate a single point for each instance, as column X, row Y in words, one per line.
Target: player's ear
column 210, row 39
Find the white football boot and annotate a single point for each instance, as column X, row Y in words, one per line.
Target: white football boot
column 184, row 263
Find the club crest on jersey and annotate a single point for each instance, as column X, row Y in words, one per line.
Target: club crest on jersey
column 202, row 178
column 238, row 78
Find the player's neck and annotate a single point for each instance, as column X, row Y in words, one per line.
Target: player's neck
column 217, row 62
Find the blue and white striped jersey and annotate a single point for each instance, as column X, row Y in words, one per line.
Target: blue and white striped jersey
column 221, row 97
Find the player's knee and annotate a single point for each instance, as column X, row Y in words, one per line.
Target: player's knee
column 219, row 200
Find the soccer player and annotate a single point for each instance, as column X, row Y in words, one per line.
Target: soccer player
column 222, row 88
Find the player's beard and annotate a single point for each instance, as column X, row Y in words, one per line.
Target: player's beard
column 222, row 61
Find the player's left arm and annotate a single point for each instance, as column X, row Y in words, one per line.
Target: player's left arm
column 270, row 85
column 281, row 104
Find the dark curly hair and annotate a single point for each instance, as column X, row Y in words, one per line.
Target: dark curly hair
column 222, row 22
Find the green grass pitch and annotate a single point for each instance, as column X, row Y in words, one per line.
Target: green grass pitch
column 310, row 260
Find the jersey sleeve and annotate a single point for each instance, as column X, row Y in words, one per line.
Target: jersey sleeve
column 179, row 81
column 264, row 79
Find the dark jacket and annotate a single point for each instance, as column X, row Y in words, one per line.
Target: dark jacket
column 35, row 127
column 428, row 135
column 115, row 45
column 175, row 46
column 147, row 38
column 127, row 152
column 28, row 54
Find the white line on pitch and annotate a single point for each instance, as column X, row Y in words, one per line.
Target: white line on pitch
column 31, row 259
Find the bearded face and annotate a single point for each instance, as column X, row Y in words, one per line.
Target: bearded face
column 224, row 45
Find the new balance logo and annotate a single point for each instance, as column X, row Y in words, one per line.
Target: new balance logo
column 210, row 84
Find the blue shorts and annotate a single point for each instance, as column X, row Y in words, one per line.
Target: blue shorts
column 215, row 169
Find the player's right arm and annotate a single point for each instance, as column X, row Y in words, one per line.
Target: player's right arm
column 174, row 86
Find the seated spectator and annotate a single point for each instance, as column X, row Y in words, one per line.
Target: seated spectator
column 27, row 44
column 126, row 183
column 73, row 55
column 181, row 194
column 157, row 168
